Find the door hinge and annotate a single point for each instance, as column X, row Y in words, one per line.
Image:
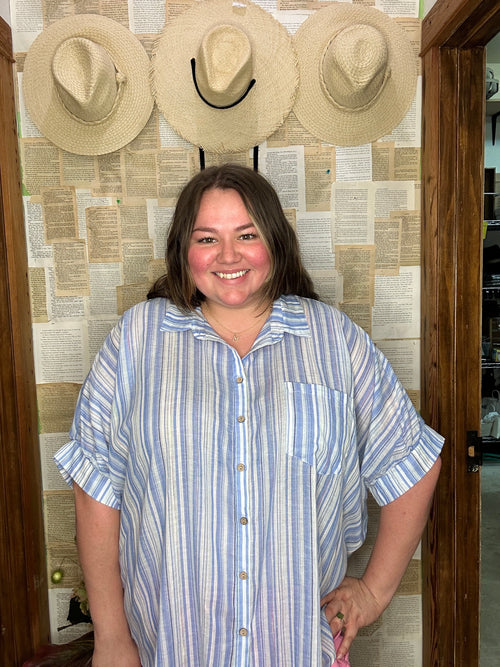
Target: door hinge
column 474, row 451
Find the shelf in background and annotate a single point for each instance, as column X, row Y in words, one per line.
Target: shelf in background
column 488, row 363
column 490, row 445
column 492, row 107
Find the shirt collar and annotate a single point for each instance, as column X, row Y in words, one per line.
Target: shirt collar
column 287, row 316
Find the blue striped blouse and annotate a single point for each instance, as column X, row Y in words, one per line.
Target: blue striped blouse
column 241, row 482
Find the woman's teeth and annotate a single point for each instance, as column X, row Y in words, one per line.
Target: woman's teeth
column 230, row 276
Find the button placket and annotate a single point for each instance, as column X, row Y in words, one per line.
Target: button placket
column 243, row 537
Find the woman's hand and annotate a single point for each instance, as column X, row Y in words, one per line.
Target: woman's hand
column 348, row 608
column 359, row 602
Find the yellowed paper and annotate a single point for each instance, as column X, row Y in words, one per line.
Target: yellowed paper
column 407, row 164
column 78, row 170
column 103, row 234
column 361, row 313
column 173, row 172
column 383, row 161
column 38, row 294
column 41, row 165
column 136, row 257
column 59, row 214
column 133, row 220
column 356, row 264
column 320, row 173
column 109, row 181
column 59, row 514
column 70, row 268
column 56, row 405
column 410, row 236
column 128, row 295
column 387, row 246
column 139, row 174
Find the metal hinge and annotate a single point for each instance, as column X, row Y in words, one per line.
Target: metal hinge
column 474, row 451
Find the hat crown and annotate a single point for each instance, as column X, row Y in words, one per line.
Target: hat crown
column 224, row 65
column 355, row 66
column 85, row 78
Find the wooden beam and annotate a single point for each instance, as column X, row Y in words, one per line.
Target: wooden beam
column 453, row 154
column 460, row 23
column 23, row 587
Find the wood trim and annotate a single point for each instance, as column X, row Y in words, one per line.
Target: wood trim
column 5, row 41
column 442, row 21
column 451, row 343
column 454, row 35
column 460, row 23
column 23, row 584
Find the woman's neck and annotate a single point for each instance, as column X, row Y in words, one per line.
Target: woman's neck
column 237, row 326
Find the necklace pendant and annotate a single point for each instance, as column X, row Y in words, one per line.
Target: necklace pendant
column 235, row 337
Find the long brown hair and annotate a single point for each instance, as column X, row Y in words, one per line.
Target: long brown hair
column 287, row 276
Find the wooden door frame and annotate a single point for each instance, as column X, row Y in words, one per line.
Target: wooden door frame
column 24, row 615
column 454, row 35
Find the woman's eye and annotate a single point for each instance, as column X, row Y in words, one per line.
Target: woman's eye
column 206, row 239
column 249, row 236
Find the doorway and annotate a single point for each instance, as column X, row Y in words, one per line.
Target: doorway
column 490, row 362
column 454, row 36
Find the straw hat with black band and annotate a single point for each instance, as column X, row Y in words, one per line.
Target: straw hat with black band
column 358, row 74
column 86, row 84
column 224, row 74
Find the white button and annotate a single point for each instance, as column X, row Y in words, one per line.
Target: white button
column 241, row 419
column 241, row 467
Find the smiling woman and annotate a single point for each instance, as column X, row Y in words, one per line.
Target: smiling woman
column 222, row 449
column 241, row 253
column 228, row 259
column 247, row 194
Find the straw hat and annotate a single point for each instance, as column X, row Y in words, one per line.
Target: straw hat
column 358, row 74
column 86, row 84
column 224, row 74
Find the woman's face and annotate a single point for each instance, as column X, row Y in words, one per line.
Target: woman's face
column 228, row 259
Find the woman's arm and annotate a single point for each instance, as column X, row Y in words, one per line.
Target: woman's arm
column 97, row 532
column 361, row 601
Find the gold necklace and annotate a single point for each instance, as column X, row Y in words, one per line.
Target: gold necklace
column 235, row 335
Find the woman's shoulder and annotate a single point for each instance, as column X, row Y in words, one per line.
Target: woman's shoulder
column 147, row 308
column 321, row 309
column 327, row 319
column 144, row 316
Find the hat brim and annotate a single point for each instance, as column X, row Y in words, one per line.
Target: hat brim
column 132, row 109
column 267, row 104
column 316, row 112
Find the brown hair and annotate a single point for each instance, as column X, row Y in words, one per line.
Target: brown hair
column 287, row 276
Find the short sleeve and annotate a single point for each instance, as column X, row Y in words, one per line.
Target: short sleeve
column 86, row 459
column 396, row 448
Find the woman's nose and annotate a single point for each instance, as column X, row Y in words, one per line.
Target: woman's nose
column 228, row 252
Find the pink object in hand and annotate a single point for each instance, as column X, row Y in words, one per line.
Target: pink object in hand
column 342, row 662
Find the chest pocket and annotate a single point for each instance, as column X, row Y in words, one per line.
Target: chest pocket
column 320, row 425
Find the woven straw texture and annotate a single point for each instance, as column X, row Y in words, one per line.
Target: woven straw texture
column 133, row 106
column 314, row 108
column 264, row 108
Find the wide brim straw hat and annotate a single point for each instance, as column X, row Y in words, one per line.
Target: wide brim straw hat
column 216, row 106
column 86, row 84
column 358, row 74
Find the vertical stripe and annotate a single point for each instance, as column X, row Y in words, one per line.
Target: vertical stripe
column 241, row 482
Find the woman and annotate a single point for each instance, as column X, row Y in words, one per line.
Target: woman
column 222, row 449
